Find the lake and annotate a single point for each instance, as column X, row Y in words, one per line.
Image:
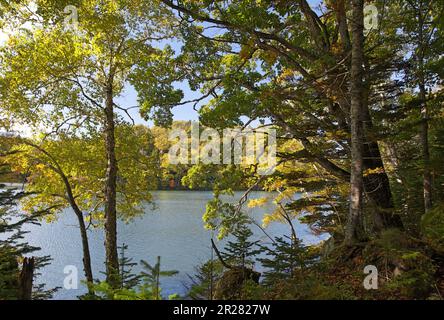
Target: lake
column 173, row 230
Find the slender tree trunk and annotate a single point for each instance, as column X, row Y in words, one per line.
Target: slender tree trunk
column 424, row 132
column 427, row 175
column 354, row 230
column 83, row 233
column 85, row 248
column 112, row 260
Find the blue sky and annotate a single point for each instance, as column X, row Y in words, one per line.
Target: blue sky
column 185, row 112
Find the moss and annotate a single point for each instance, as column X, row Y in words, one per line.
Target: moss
column 417, row 279
column 408, row 270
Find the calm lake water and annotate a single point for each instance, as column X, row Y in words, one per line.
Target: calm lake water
column 173, row 230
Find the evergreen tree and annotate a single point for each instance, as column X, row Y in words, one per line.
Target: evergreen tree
column 13, row 249
column 204, row 281
column 128, row 279
column 242, row 250
column 152, row 277
column 284, row 257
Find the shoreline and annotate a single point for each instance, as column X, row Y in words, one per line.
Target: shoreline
column 11, row 184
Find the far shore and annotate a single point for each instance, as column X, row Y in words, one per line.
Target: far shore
column 11, row 184
column 20, row 185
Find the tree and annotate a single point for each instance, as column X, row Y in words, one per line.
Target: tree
column 283, row 259
column 399, row 118
column 69, row 172
column 420, row 28
column 354, row 231
column 152, row 275
column 10, row 248
column 17, row 271
column 149, row 289
column 203, row 282
column 128, row 279
column 287, row 62
column 67, row 77
column 241, row 251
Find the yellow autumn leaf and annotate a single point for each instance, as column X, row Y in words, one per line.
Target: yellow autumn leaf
column 260, row 202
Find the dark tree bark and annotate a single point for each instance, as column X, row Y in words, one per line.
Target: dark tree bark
column 377, row 185
column 112, row 261
column 85, row 248
column 26, row 279
column 341, row 16
column 354, row 229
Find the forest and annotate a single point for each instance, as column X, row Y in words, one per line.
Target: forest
column 96, row 94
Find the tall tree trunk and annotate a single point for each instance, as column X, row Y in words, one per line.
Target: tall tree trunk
column 354, row 230
column 112, row 261
column 427, row 175
column 424, row 132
